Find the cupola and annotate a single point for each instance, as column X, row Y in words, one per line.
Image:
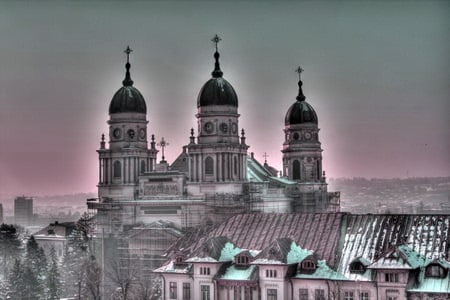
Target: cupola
column 127, row 99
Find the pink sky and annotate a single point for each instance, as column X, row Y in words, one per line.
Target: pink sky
column 376, row 73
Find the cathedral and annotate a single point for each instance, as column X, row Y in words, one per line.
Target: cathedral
column 214, row 177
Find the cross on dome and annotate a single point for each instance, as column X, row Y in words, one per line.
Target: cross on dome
column 216, row 39
column 299, row 70
column 128, row 51
column 127, row 81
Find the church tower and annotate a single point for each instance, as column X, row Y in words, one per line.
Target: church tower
column 302, row 155
column 128, row 154
column 218, row 160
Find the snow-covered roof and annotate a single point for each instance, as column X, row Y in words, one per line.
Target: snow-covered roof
column 322, row 272
column 172, row 267
column 234, row 272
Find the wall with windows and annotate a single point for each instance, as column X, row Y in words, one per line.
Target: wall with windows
column 272, row 283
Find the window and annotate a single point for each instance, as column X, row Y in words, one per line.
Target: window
column 357, row 267
column 209, row 166
column 172, row 290
column 179, row 259
column 319, row 294
column 364, row 296
column 348, row 295
column 117, row 172
column 392, row 294
column 391, row 277
column 308, row 265
column 204, row 291
column 435, row 271
column 186, row 291
column 235, row 166
column 296, row 170
column 271, row 294
column 271, row 273
column 242, row 260
column 205, row 271
column 303, row 294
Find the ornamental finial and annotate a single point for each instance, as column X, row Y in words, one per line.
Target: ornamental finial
column 299, row 70
column 300, row 96
column 217, row 72
column 127, row 81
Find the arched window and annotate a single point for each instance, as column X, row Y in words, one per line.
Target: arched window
column 296, row 170
column 117, row 169
column 209, row 166
column 235, row 165
column 142, row 167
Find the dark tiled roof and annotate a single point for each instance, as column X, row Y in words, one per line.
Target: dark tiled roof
column 316, row 232
column 277, row 250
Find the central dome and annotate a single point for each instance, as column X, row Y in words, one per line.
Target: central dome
column 217, row 91
column 128, row 99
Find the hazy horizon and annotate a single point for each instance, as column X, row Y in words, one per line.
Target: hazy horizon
column 375, row 72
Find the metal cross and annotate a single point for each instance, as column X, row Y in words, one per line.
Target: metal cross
column 216, row 39
column 265, row 157
column 299, row 70
column 128, row 51
column 163, row 144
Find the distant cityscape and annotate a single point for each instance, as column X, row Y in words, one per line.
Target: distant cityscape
column 421, row 195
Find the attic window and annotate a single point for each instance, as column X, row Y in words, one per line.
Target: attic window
column 242, row 260
column 308, row 265
column 357, row 267
column 179, row 259
column 435, row 271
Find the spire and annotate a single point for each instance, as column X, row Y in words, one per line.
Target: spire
column 300, row 96
column 127, row 81
column 217, row 72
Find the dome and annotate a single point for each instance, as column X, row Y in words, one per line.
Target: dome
column 127, row 99
column 217, row 91
column 301, row 111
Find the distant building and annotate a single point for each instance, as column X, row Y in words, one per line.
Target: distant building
column 54, row 236
column 1, row 213
column 313, row 256
column 23, row 211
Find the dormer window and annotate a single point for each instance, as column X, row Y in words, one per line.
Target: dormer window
column 435, row 271
column 308, row 265
column 357, row 267
column 179, row 259
column 242, row 260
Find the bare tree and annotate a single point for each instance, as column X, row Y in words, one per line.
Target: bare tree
column 93, row 277
column 124, row 273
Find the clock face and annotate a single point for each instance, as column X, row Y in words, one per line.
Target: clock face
column 296, row 136
column 223, row 127
column 131, row 133
column 117, row 133
column 209, row 127
column 234, row 127
column 308, row 135
column 142, row 133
